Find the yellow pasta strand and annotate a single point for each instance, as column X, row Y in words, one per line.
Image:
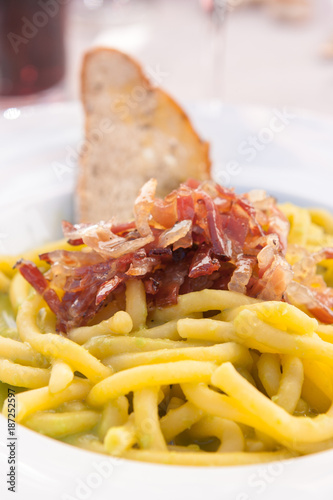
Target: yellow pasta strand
column 119, row 439
column 269, row 372
column 251, row 330
column 166, row 331
column 122, row 383
column 207, row 459
column 19, row 352
column 325, row 332
column 136, row 305
column 206, row 329
column 174, row 403
column 321, row 375
column 57, row 346
column 314, row 397
column 115, row 414
column 229, row 433
column 293, row 429
column 291, row 384
column 279, row 314
column 61, row 376
column 18, row 291
column 228, row 407
column 59, row 425
column 216, row 404
column 46, row 321
column 119, row 324
column 7, row 319
column 41, row 399
column 23, row 376
column 206, row 300
column 147, row 425
column 179, row 419
column 103, row 347
column 217, row 353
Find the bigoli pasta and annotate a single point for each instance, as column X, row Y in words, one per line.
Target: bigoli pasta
column 199, row 334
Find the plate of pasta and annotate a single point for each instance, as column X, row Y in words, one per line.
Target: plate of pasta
column 185, row 352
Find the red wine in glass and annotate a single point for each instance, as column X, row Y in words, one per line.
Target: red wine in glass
column 32, row 51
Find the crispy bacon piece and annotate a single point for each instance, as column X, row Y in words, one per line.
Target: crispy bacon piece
column 169, row 284
column 142, row 264
column 185, row 205
column 236, row 227
column 316, row 302
column 36, row 279
column 273, row 271
column 124, row 228
column 143, row 205
column 308, row 289
column 100, row 238
column 69, row 231
column 201, row 235
column 106, row 288
column 269, row 216
column 221, row 243
column 178, row 232
column 321, row 307
column 71, row 259
column 305, row 270
column 242, row 274
column 203, row 264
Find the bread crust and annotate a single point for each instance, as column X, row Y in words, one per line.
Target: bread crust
column 152, row 125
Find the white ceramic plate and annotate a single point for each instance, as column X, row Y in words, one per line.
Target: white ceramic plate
column 291, row 154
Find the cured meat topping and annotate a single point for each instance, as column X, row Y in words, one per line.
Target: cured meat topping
column 199, row 236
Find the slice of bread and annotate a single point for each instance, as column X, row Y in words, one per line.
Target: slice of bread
column 133, row 132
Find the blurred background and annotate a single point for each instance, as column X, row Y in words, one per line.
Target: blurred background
column 253, row 52
column 265, row 68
